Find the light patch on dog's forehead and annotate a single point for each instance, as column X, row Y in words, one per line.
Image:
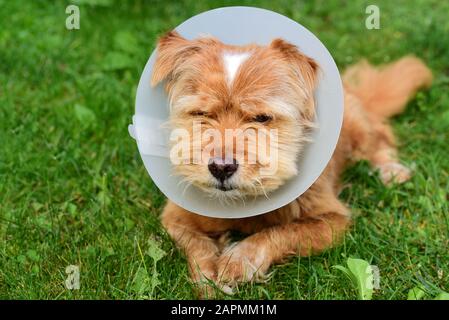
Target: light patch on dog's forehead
column 232, row 62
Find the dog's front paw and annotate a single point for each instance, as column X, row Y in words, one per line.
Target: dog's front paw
column 394, row 172
column 203, row 273
column 243, row 262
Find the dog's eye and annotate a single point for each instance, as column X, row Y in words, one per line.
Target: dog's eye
column 262, row 118
column 198, row 113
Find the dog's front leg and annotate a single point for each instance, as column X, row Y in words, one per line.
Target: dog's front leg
column 201, row 250
column 250, row 259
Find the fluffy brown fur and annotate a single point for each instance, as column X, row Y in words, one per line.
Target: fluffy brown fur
column 275, row 80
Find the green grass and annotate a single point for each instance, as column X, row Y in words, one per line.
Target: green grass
column 73, row 189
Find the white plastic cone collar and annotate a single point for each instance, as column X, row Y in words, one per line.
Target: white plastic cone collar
column 240, row 26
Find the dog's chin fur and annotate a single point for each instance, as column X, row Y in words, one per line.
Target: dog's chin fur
column 227, row 87
column 226, row 197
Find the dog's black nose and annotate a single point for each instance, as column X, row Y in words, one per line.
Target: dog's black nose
column 222, row 169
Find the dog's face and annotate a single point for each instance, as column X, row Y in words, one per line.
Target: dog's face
column 214, row 88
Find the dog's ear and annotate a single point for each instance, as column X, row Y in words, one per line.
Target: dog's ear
column 172, row 51
column 307, row 69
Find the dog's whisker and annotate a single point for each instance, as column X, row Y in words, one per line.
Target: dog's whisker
column 262, row 187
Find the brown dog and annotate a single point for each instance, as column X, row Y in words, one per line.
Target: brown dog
column 272, row 86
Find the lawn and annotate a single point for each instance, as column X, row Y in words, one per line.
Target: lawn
column 73, row 189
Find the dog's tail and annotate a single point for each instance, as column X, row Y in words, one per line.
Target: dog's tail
column 385, row 91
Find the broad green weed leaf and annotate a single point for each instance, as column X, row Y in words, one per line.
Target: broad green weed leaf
column 360, row 273
column 156, row 253
column 345, row 271
column 21, row 259
column 154, row 250
column 33, row 255
column 84, row 114
column 141, row 282
column 442, row 296
column 144, row 281
column 416, row 293
column 363, row 276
